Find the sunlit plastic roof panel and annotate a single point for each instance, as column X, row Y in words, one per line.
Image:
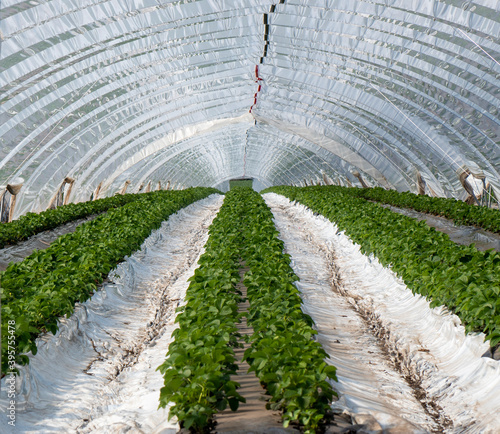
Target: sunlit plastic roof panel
column 197, row 92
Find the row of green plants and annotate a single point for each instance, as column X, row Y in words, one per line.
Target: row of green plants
column 283, row 352
column 462, row 278
column 285, row 357
column 36, row 292
column 32, row 223
column 201, row 358
column 458, row 211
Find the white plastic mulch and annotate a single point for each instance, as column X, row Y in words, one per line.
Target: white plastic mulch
column 368, row 319
column 98, row 374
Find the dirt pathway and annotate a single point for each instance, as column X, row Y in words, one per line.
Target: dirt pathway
column 252, row 416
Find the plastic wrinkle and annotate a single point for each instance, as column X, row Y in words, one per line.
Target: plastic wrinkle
column 98, row 373
column 429, row 345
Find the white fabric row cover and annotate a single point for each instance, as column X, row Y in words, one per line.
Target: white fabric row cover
column 197, row 92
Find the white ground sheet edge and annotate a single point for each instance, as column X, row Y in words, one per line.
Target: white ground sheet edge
column 431, row 341
column 72, row 385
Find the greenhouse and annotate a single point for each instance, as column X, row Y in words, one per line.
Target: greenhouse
column 250, row 216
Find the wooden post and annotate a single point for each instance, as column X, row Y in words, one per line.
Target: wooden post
column 360, row 178
column 468, row 188
column 97, row 191
column 71, row 182
column 13, row 189
column 420, row 184
column 123, row 190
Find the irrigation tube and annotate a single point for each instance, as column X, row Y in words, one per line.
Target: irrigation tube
column 456, row 388
column 98, row 374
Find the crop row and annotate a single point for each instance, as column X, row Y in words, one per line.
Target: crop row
column 283, row 354
column 201, row 359
column 32, row 223
column 458, row 211
column 460, row 277
column 288, row 362
column 36, row 292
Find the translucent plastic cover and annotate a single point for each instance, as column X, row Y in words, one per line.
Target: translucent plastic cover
column 197, row 92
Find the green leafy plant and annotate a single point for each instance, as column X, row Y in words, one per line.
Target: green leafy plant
column 283, row 354
column 458, row 211
column 36, row 292
column 201, row 360
column 462, row 278
column 32, row 223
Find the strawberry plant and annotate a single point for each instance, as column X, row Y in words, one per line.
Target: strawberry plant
column 36, row 292
column 201, row 358
column 283, row 354
column 458, row 211
column 32, row 223
column 462, row 278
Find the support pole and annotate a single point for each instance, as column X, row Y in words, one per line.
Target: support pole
column 468, row 188
column 360, row 179
column 13, row 189
column 420, row 184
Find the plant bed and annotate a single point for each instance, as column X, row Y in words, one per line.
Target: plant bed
column 460, row 212
column 461, row 278
column 283, row 354
column 45, row 286
column 201, row 359
column 33, row 223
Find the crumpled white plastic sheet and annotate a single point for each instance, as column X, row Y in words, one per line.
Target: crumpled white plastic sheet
column 429, row 344
column 40, row 241
column 466, row 235
column 98, row 373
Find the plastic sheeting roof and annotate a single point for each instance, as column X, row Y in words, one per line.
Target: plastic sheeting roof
column 197, row 92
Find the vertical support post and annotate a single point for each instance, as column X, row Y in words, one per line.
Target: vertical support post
column 70, row 182
column 326, row 180
column 420, row 184
column 97, row 190
column 360, row 179
column 123, row 190
column 468, row 188
column 13, row 189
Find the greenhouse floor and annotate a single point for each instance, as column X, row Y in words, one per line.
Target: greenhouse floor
column 252, row 415
column 401, row 366
column 108, row 351
column 396, row 357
